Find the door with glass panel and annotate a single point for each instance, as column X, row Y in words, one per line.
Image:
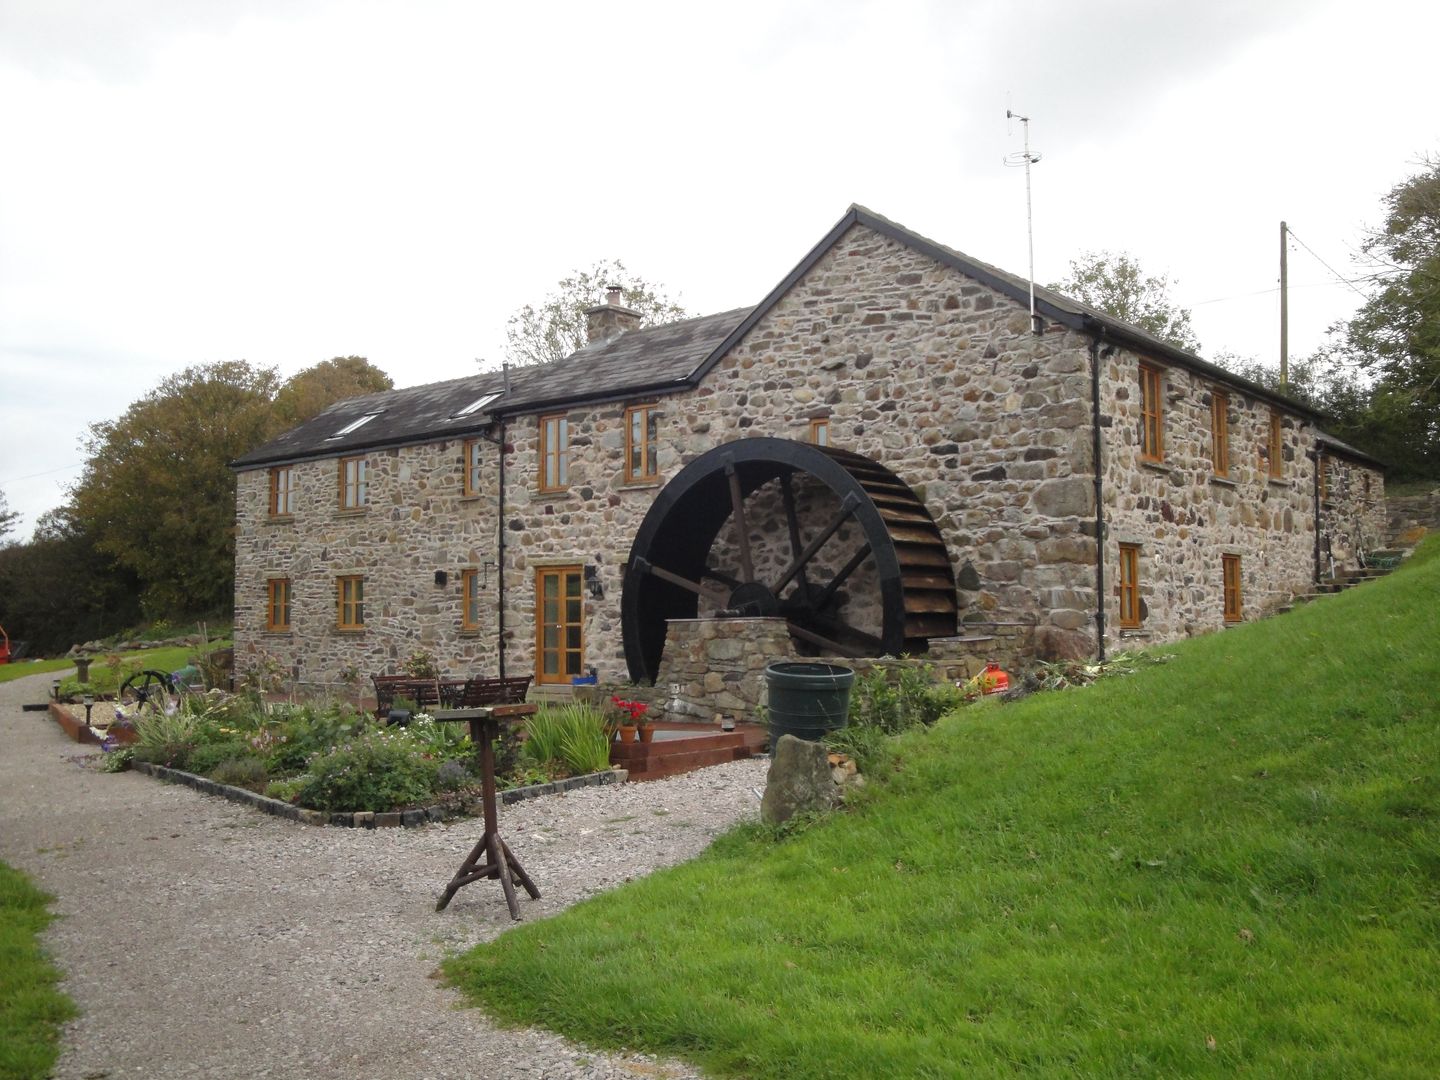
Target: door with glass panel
column 559, row 631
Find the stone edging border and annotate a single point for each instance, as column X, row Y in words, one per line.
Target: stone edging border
column 364, row 819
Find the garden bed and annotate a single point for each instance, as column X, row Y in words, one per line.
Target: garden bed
column 71, row 719
column 367, row 819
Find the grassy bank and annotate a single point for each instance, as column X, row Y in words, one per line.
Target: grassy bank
column 1227, row 862
column 31, row 1009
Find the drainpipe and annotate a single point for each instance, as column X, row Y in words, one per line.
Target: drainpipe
column 499, row 548
column 1099, row 493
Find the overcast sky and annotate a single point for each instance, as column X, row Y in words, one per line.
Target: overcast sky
column 283, row 181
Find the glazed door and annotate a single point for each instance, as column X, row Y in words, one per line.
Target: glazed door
column 559, row 630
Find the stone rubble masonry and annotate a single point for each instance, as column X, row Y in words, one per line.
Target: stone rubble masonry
column 913, row 364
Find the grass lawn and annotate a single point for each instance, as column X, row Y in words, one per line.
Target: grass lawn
column 31, row 1009
column 1226, row 863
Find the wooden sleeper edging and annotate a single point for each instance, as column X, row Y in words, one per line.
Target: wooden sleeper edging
column 364, row 819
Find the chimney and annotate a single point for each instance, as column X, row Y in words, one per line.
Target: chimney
column 610, row 319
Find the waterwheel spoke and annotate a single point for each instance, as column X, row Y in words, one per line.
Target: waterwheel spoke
column 847, row 508
column 742, row 528
column 839, row 629
column 787, row 495
column 828, row 593
column 834, row 648
column 720, row 597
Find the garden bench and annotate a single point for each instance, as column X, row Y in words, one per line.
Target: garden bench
column 483, row 691
column 424, row 692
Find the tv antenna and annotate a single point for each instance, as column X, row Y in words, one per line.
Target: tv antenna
column 1026, row 158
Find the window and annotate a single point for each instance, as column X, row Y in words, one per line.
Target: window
column 1231, row 566
column 354, row 482
column 277, row 608
column 469, row 600
column 350, row 602
column 559, row 625
column 1275, row 447
column 475, row 406
column 1152, row 420
column 640, row 426
column 554, row 453
column 354, row 425
column 1220, row 432
column 474, row 448
column 820, row 432
column 1129, row 586
column 282, row 491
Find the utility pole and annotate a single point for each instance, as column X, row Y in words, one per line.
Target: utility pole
column 1026, row 158
column 1284, row 311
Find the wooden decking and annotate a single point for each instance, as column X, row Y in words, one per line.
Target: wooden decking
column 681, row 748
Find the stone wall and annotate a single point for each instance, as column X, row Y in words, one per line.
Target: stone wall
column 1411, row 517
column 1352, row 514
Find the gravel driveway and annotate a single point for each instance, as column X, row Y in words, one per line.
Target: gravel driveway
column 200, row 939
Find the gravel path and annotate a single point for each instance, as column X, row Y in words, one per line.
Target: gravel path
column 200, row 939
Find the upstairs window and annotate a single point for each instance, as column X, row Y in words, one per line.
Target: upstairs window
column 354, row 482
column 469, row 600
column 350, row 602
column 554, row 453
column 282, row 491
column 1220, row 432
column 1276, row 447
column 820, row 432
column 1152, row 417
column 1231, row 567
column 640, row 428
column 1129, row 586
column 476, row 406
column 474, row 449
column 277, row 607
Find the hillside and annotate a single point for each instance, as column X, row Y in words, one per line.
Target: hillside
column 1230, row 861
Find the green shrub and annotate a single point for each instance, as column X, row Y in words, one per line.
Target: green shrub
column 452, row 775
column 572, row 736
column 207, row 755
column 448, row 740
column 376, row 771
column 166, row 738
column 285, row 790
column 298, row 732
column 245, row 772
column 897, row 702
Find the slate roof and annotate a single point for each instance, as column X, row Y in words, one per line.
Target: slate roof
column 663, row 359
column 649, row 361
column 1345, row 448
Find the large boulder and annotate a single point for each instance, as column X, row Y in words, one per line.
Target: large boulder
column 799, row 781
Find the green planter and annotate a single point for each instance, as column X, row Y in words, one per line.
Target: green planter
column 807, row 700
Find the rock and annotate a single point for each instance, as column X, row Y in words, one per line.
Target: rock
column 798, row 782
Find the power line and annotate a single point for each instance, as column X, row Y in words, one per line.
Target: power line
column 1276, row 289
column 1322, row 262
column 47, row 472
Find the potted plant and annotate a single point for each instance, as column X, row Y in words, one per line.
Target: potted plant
column 633, row 719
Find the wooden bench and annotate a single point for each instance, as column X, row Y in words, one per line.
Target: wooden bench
column 481, row 691
column 423, row 692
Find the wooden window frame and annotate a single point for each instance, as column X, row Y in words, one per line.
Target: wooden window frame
column 820, row 431
column 1232, row 588
column 469, row 600
column 282, row 495
column 1275, row 445
column 354, row 495
column 350, row 602
column 561, row 676
column 647, row 447
column 1152, row 413
column 554, row 463
column 470, row 466
column 277, row 605
column 1129, row 587
column 1220, row 432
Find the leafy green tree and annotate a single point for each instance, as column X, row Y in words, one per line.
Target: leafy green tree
column 8, row 517
column 1115, row 284
column 555, row 329
column 157, row 492
column 1395, row 336
column 309, row 392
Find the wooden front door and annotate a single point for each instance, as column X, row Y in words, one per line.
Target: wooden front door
column 559, row 629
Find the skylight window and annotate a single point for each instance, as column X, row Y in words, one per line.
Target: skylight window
column 475, row 406
column 354, row 425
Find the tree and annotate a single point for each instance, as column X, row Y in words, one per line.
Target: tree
column 1395, row 335
column 8, row 517
column 556, row 328
column 1117, row 285
column 157, row 493
column 309, row 392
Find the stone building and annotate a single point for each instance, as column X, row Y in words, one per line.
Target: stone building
column 886, row 452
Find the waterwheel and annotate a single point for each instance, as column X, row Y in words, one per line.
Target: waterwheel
column 829, row 540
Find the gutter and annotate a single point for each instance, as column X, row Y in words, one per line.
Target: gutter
column 1095, row 453
column 499, row 547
